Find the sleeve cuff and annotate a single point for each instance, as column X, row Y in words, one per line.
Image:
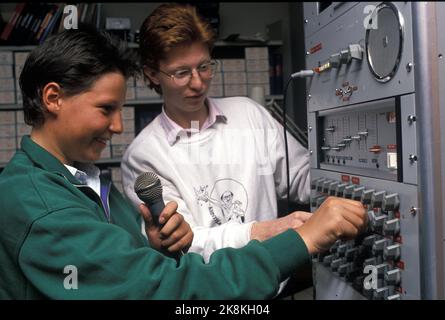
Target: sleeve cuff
column 288, row 250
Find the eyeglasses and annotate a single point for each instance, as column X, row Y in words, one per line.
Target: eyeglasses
column 182, row 77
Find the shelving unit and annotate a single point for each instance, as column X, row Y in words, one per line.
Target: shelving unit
column 148, row 106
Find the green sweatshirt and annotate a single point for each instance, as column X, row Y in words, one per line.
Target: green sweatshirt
column 55, row 242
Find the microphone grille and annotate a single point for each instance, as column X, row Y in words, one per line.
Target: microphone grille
column 148, row 187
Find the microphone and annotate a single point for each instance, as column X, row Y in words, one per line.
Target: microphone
column 149, row 189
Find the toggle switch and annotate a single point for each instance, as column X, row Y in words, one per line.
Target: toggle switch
column 391, row 202
column 377, row 199
column 392, row 252
column 367, row 196
column 391, row 227
column 393, row 277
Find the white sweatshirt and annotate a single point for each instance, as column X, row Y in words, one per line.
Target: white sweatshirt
column 223, row 178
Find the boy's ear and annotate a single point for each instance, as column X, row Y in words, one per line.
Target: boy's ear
column 51, row 95
column 151, row 74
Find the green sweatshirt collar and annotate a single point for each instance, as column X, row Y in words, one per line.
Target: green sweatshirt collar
column 45, row 160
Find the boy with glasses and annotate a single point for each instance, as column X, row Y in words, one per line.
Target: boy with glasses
column 221, row 160
column 202, row 147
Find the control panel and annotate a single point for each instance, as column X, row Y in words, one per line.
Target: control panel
column 364, row 141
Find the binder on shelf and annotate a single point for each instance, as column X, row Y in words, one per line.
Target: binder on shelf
column 6, row 33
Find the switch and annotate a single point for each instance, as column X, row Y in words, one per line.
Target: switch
column 345, row 268
column 377, row 199
column 391, row 202
column 393, row 277
column 392, row 252
column 351, row 254
column 334, row 60
column 333, row 248
column 327, row 260
column 369, row 240
column 330, row 129
column 348, row 191
column 380, row 293
column 367, row 196
column 391, row 160
column 333, row 188
column 355, row 51
column 326, row 184
column 379, row 245
column 394, row 297
column 381, row 269
column 357, row 193
column 319, row 184
column 336, row 263
column 391, row 227
column 377, row 222
column 340, row 189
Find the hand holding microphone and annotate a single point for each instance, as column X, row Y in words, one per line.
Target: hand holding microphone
column 166, row 228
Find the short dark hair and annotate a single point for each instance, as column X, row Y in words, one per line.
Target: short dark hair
column 74, row 59
column 170, row 26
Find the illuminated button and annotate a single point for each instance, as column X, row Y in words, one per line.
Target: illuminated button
column 326, row 148
column 375, row 149
column 391, row 202
column 391, row 160
column 330, row 129
column 347, row 139
column 393, row 277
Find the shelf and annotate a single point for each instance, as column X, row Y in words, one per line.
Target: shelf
column 274, row 97
column 146, row 101
column 108, row 161
column 10, row 106
column 17, row 48
column 221, row 43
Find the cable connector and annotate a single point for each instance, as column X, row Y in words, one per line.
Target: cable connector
column 302, row 74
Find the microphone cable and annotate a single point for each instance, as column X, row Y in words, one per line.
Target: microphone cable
column 300, row 74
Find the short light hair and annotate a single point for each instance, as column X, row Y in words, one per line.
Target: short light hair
column 170, row 26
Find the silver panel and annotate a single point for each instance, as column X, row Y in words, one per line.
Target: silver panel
column 410, row 253
column 337, row 35
column 409, row 132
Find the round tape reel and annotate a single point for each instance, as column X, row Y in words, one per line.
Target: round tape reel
column 384, row 41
